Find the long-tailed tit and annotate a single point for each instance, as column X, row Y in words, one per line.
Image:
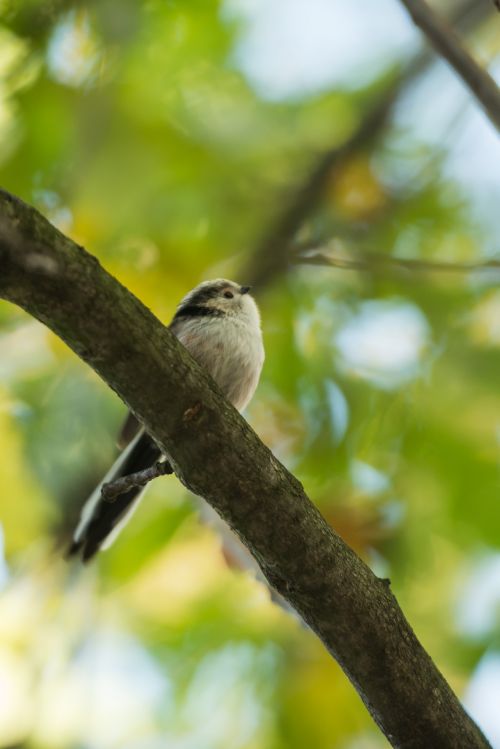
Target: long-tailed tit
column 219, row 323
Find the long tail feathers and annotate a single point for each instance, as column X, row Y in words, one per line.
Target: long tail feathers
column 101, row 520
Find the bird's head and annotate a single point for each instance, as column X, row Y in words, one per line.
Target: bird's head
column 219, row 298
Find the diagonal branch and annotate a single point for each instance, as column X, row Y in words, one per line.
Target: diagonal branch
column 271, row 255
column 448, row 45
column 218, row 456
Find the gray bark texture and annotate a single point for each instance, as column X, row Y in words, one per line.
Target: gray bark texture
column 218, row 456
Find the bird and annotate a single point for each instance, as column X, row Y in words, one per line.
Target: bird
column 219, row 323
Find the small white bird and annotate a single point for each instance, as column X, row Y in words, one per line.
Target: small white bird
column 219, row 323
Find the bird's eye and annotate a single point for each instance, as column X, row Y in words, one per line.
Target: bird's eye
column 228, row 294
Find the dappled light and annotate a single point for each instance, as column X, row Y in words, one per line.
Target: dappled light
column 167, row 139
column 383, row 343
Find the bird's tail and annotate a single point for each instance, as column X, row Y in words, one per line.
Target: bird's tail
column 101, row 519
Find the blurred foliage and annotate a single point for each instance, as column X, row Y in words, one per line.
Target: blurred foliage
column 135, row 128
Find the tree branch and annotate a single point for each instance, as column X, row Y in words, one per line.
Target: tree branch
column 113, row 489
column 218, row 456
column 378, row 262
column 448, row 45
column 271, row 255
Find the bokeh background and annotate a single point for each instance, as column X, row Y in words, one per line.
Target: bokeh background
column 167, row 138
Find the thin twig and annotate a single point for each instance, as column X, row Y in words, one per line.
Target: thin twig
column 377, row 262
column 446, row 42
column 122, row 485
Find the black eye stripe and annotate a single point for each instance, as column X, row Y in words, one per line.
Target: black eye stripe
column 202, row 296
column 193, row 310
column 195, row 303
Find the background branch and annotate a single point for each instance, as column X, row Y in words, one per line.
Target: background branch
column 271, row 255
column 448, row 45
column 378, row 262
column 218, row 456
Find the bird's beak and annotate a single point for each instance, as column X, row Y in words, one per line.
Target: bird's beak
column 245, row 289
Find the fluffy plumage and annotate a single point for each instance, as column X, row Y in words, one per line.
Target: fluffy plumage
column 219, row 323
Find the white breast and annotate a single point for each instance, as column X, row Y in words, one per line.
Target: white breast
column 231, row 349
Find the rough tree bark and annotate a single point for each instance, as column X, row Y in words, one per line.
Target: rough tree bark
column 217, row 456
